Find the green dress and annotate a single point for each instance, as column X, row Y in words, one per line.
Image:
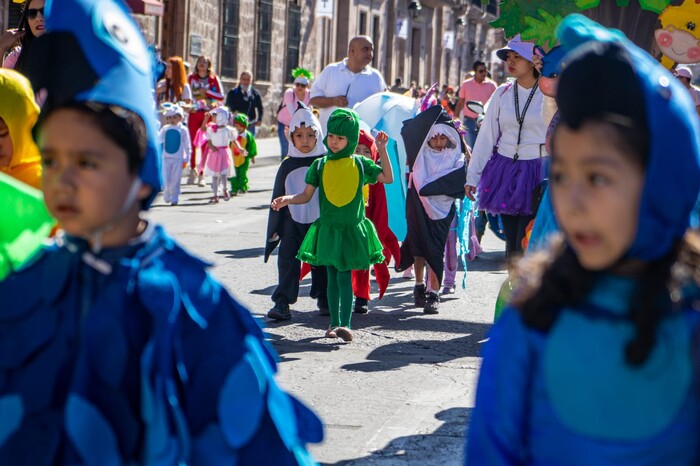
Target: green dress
column 342, row 236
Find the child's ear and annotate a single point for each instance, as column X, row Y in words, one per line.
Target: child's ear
column 144, row 192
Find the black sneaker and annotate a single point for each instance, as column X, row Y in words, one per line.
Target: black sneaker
column 280, row 312
column 419, row 295
column 322, row 303
column 361, row 306
column 432, row 302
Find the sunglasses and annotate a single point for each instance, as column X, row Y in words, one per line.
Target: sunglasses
column 33, row 12
column 300, row 85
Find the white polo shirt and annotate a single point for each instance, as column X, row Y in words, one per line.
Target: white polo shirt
column 337, row 80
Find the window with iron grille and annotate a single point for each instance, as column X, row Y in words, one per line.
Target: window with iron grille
column 492, row 7
column 229, row 42
column 293, row 39
column 264, row 45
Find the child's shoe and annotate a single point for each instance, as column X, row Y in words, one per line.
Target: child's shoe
column 408, row 274
column 280, row 311
column 214, row 200
column 166, row 197
column 200, row 181
column 227, row 196
column 432, row 302
column 191, row 177
column 419, row 295
column 344, row 333
column 361, row 306
column 330, row 333
column 174, row 203
column 322, row 303
column 448, row 290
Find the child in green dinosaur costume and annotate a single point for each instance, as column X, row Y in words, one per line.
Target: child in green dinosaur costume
column 342, row 239
column 241, row 162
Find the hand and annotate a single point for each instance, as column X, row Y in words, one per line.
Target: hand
column 470, row 191
column 537, row 61
column 280, row 202
column 9, row 38
column 381, row 140
column 340, row 101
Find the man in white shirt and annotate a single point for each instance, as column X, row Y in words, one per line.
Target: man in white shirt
column 347, row 82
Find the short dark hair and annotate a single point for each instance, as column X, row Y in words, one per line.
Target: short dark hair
column 123, row 127
column 477, row 64
column 397, row 81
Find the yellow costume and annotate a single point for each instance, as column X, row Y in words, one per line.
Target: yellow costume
column 20, row 112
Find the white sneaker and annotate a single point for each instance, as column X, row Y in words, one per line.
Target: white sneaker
column 190, row 178
column 200, row 181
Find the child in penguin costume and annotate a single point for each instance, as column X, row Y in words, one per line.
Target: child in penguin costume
column 129, row 351
column 437, row 173
column 288, row 226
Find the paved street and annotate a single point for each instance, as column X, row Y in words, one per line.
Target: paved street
column 402, row 391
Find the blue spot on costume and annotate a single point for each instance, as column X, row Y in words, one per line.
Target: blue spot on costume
column 133, row 354
column 567, row 395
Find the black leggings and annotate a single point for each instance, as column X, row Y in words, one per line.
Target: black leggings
column 514, row 230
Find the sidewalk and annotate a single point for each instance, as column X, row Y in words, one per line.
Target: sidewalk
column 268, row 152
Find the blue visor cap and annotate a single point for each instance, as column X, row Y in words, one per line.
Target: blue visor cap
column 94, row 51
column 672, row 178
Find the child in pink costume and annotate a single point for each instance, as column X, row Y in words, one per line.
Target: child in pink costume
column 219, row 163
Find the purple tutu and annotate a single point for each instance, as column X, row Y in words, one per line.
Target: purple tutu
column 507, row 185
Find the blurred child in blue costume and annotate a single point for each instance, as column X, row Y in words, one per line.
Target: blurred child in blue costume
column 177, row 149
column 596, row 362
column 117, row 346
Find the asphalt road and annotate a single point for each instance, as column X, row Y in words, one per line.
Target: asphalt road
column 402, row 391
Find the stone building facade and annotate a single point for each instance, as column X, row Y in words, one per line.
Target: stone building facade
column 434, row 43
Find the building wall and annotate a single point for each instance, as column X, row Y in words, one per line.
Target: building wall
column 421, row 56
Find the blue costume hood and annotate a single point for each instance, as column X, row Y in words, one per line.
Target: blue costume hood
column 95, row 52
column 672, row 180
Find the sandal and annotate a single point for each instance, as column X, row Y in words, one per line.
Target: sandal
column 226, row 196
column 214, row 200
column 344, row 333
column 330, row 333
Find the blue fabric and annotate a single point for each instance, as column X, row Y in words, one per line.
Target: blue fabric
column 515, row 421
column 284, row 142
column 172, row 141
column 545, row 225
column 115, row 49
column 672, row 179
column 154, row 361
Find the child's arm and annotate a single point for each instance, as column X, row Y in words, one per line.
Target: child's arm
column 387, row 174
column 301, row 198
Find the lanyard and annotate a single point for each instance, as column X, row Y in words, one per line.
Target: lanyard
column 521, row 118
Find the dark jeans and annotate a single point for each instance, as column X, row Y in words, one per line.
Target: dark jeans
column 284, row 142
column 514, row 228
column 472, row 131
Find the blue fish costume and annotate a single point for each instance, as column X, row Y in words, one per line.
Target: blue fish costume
column 567, row 395
column 131, row 354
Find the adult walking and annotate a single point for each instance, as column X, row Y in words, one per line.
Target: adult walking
column 245, row 99
column 207, row 93
column 347, row 82
column 19, row 41
column 507, row 159
column 479, row 88
column 298, row 93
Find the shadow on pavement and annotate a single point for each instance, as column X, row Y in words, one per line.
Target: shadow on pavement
column 242, row 253
column 445, row 446
column 405, row 353
column 259, row 207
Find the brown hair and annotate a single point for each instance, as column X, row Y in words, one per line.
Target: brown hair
column 208, row 64
column 178, row 77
